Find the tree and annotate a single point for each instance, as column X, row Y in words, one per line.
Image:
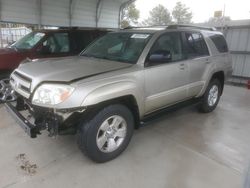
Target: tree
column 129, row 16
column 181, row 14
column 159, row 15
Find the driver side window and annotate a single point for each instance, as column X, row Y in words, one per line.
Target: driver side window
column 167, row 48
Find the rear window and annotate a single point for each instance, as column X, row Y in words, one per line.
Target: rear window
column 220, row 42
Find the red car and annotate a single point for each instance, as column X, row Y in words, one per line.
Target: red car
column 46, row 44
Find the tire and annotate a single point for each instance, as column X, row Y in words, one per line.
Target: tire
column 103, row 140
column 4, row 76
column 211, row 97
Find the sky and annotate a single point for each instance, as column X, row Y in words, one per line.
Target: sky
column 202, row 9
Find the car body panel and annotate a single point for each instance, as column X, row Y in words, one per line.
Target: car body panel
column 66, row 69
column 99, row 80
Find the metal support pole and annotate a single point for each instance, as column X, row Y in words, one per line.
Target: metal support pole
column 1, row 38
column 70, row 12
column 123, row 5
column 39, row 7
column 98, row 12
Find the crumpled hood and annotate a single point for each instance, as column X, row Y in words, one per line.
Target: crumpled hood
column 68, row 69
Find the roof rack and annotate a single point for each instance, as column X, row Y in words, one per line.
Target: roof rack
column 151, row 26
column 174, row 26
column 178, row 26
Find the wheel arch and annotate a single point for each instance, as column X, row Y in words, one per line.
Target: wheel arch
column 220, row 75
column 127, row 100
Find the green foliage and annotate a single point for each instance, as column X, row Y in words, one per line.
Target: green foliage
column 129, row 16
column 159, row 15
column 181, row 14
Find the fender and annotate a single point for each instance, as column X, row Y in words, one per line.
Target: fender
column 115, row 90
column 208, row 81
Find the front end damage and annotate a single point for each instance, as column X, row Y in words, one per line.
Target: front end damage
column 34, row 119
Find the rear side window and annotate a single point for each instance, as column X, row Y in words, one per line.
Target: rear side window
column 196, row 45
column 220, row 42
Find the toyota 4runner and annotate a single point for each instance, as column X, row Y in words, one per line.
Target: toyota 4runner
column 117, row 83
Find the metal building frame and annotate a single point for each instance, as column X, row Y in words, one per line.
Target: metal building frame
column 96, row 16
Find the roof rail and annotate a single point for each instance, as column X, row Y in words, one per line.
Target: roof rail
column 178, row 26
column 151, row 26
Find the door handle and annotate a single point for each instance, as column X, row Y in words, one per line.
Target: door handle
column 182, row 66
column 207, row 61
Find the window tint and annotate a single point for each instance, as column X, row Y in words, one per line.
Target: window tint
column 171, row 43
column 220, row 42
column 80, row 39
column 57, row 43
column 196, row 45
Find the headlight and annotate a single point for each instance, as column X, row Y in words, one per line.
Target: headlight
column 52, row 94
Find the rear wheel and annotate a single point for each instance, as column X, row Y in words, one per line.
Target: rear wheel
column 107, row 134
column 211, row 97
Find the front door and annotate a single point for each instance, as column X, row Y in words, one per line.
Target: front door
column 166, row 81
column 56, row 45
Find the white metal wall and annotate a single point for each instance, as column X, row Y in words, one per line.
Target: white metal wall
column 238, row 39
column 57, row 12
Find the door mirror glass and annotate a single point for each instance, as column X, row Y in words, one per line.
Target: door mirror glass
column 160, row 56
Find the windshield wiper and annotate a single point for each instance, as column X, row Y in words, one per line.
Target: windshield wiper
column 13, row 47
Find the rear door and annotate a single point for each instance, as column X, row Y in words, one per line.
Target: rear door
column 198, row 60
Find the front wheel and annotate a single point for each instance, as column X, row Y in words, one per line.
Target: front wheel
column 211, row 97
column 107, row 134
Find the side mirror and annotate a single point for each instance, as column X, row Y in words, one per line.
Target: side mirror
column 160, row 56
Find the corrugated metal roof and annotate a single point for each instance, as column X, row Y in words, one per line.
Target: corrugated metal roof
column 57, row 12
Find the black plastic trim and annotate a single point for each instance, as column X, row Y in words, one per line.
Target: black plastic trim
column 29, row 128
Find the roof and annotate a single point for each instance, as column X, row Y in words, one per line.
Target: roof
column 70, row 29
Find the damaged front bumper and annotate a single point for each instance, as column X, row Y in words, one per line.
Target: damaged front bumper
column 33, row 119
column 29, row 128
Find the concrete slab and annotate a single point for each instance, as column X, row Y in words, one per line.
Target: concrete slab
column 184, row 149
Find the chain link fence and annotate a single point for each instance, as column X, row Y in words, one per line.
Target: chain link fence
column 10, row 33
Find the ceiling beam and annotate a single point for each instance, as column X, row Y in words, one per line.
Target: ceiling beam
column 71, row 11
column 123, row 5
column 98, row 12
column 39, row 15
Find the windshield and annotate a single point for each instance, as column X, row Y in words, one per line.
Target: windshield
column 28, row 41
column 123, row 47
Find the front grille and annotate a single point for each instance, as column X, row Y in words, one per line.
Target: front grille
column 21, row 83
column 23, row 77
